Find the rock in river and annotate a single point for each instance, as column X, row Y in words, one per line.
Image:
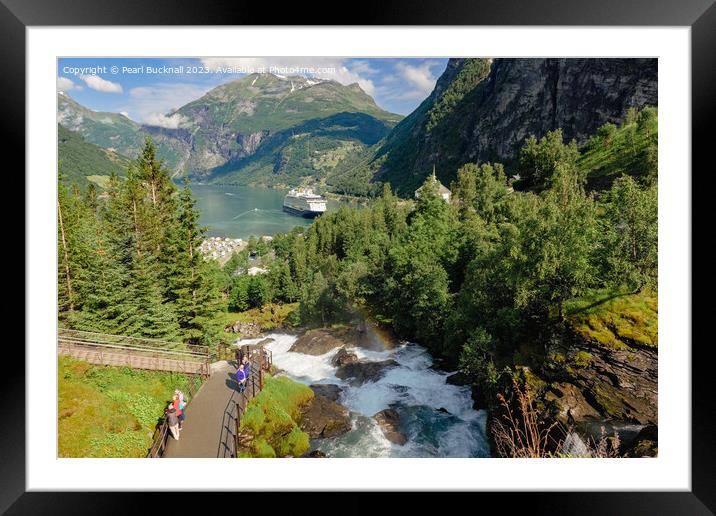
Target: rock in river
column 343, row 357
column 316, row 454
column 325, row 418
column 389, row 421
column 316, row 342
column 361, row 372
column 330, row 391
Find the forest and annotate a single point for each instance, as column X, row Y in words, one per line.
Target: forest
column 472, row 279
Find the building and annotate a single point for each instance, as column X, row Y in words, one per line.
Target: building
column 442, row 190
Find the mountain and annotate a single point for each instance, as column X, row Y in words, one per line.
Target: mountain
column 82, row 162
column 305, row 152
column 215, row 134
column 484, row 109
column 116, row 132
column 231, row 121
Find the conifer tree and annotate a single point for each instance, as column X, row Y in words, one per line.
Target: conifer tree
column 196, row 297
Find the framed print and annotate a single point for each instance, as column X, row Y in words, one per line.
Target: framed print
column 428, row 254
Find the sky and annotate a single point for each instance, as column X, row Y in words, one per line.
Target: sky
column 146, row 89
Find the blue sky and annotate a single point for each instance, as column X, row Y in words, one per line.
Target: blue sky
column 120, row 85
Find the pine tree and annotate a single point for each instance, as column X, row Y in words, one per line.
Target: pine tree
column 195, row 295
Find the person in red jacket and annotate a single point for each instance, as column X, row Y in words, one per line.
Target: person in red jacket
column 179, row 407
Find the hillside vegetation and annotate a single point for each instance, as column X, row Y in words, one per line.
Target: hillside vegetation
column 82, row 162
column 305, row 153
column 269, row 427
column 630, row 148
column 108, row 411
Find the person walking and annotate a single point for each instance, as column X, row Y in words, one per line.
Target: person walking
column 172, row 421
column 241, row 378
column 178, row 405
column 247, row 369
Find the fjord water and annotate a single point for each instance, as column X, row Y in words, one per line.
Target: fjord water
column 437, row 418
column 242, row 211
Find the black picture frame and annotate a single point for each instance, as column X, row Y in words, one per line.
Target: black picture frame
column 700, row 15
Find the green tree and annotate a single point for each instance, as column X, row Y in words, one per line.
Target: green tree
column 631, row 233
column 259, row 291
column 539, row 159
column 194, row 293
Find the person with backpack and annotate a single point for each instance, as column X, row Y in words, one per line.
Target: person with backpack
column 241, row 378
column 178, row 404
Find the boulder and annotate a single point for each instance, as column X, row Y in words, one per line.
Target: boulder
column 343, row 357
column 361, row 372
column 325, row 418
column 316, row 342
column 330, row 391
column 389, row 422
column 246, row 329
column 570, row 404
column 317, row 454
column 443, row 410
column 457, row 379
column 645, row 444
column 265, row 341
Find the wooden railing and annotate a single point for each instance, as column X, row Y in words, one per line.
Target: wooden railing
column 161, row 433
column 135, row 352
column 261, row 363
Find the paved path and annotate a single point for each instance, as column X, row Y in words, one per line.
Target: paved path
column 207, row 419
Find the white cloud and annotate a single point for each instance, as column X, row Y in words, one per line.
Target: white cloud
column 363, row 67
column 65, row 84
column 96, row 82
column 319, row 67
column 169, row 122
column 155, row 104
column 420, row 79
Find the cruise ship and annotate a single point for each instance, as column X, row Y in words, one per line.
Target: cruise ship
column 304, row 203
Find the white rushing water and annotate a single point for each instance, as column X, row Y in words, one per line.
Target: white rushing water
column 417, row 392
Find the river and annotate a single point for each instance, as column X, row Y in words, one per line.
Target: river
column 242, row 211
column 437, row 418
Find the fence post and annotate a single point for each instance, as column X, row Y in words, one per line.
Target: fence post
column 261, row 379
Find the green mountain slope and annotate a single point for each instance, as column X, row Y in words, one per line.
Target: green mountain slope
column 631, row 148
column 116, row 132
column 219, row 131
column 483, row 110
column 232, row 121
column 80, row 161
column 305, row 153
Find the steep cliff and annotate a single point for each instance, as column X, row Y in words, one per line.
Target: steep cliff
column 483, row 109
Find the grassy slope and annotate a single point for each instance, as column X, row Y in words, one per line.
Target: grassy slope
column 616, row 319
column 627, row 152
column 110, row 411
column 82, row 162
column 271, row 419
column 305, row 152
